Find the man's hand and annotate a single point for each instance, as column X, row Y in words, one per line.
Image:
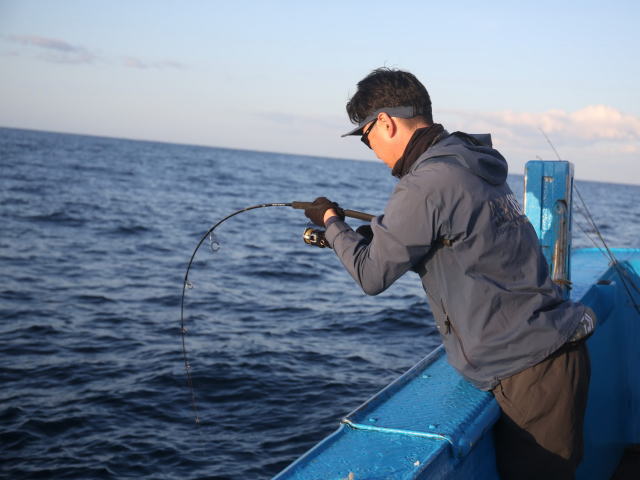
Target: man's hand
column 321, row 206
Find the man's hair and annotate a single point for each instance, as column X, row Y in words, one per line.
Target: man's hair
column 385, row 87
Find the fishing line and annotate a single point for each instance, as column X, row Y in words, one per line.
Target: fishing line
column 622, row 273
column 311, row 237
column 188, row 285
column 588, row 235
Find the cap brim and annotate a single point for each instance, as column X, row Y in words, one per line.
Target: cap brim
column 356, row 131
column 400, row 112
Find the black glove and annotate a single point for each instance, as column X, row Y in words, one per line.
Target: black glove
column 320, row 205
column 366, row 232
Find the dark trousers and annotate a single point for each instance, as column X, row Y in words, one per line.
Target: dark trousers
column 539, row 435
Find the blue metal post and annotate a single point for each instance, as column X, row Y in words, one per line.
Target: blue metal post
column 548, row 189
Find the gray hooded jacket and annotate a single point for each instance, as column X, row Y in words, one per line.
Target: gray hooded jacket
column 454, row 221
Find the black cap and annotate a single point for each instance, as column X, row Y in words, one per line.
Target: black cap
column 400, row 112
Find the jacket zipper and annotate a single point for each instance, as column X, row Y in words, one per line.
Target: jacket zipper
column 451, row 328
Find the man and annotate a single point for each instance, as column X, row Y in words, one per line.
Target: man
column 454, row 221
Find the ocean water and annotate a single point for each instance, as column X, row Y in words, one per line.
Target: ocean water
column 95, row 237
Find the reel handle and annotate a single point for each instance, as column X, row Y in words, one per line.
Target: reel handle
column 315, row 238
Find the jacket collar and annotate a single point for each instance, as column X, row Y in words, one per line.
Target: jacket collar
column 421, row 140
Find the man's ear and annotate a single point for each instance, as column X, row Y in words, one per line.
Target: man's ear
column 388, row 124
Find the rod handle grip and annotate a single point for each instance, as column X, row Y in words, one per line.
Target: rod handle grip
column 367, row 217
column 347, row 213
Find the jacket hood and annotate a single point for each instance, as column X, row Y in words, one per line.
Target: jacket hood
column 475, row 153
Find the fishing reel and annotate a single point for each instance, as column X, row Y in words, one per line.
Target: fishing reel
column 315, row 237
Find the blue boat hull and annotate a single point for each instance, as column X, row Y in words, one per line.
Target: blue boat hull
column 431, row 423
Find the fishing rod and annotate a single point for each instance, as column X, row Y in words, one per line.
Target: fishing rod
column 311, row 236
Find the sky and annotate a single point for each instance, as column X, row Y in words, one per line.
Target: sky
column 276, row 75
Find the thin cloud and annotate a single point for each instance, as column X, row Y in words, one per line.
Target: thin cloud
column 330, row 123
column 48, row 43
column 53, row 49
column 585, row 127
column 134, row 62
column 591, row 123
column 170, row 64
column 56, row 50
column 588, row 137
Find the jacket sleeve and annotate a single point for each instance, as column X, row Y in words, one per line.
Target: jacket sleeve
column 402, row 237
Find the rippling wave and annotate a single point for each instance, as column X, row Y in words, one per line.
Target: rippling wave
column 95, row 239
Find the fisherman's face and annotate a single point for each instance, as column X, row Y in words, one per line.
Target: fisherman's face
column 378, row 140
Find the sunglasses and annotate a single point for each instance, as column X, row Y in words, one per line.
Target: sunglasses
column 365, row 135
